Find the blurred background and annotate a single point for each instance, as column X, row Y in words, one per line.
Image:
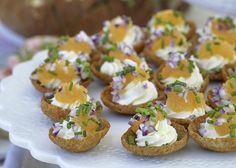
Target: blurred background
column 27, row 25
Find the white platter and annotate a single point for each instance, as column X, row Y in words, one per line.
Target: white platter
column 21, row 116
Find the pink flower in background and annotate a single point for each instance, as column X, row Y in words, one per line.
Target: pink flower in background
column 31, row 46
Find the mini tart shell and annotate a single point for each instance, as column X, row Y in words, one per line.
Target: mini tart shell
column 157, row 60
column 224, row 71
column 95, row 67
column 57, row 113
column 137, row 47
column 106, row 98
column 160, row 86
column 218, row 144
column 154, row 151
column 43, row 89
column 81, row 145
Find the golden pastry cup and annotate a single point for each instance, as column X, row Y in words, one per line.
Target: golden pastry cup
column 106, row 98
column 160, row 86
column 157, row 60
column 56, row 113
column 225, row 73
column 41, row 88
column 81, row 145
column 95, row 67
column 181, row 142
column 218, row 144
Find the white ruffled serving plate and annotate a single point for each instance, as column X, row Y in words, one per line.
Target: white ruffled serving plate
column 28, row 127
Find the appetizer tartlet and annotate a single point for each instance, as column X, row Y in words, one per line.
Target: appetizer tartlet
column 182, row 104
column 55, row 71
column 65, row 101
column 211, row 55
column 130, row 89
column 120, row 30
column 81, row 132
column 151, row 133
column 177, row 68
column 81, row 46
column 160, row 44
column 170, row 19
column 223, row 27
column 229, row 71
column 115, row 61
column 224, row 94
column 216, row 131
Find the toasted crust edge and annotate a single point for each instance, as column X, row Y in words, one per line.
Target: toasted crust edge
column 218, row 144
column 104, row 77
column 80, row 145
column 56, row 113
column 106, row 98
column 162, row 87
column 162, row 150
column 209, row 99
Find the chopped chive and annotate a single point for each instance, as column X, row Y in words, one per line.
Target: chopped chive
column 233, row 93
column 162, row 43
column 52, row 73
column 211, row 113
column 67, row 63
column 84, row 133
column 113, row 47
column 190, row 66
column 106, row 37
column 78, row 133
column 217, row 43
column 180, row 42
column 131, row 140
column 210, row 121
column 158, row 20
column 208, row 48
column 64, row 38
column 85, row 123
column 231, row 113
column 231, row 85
column 232, row 134
column 177, row 89
column 229, row 119
column 233, row 126
column 49, row 101
column 107, row 58
column 146, row 143
column 71, row 86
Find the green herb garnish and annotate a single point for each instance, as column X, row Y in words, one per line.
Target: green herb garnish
column 233, row 93
column 208, row 48
column 52, row 73
column 107, row 58
column 233, row 126
column 106, row 37
column 210, row 121
column 126, row 70
column 190, row 66
column 71, row 86
column 131, row 140
column 64, row 38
